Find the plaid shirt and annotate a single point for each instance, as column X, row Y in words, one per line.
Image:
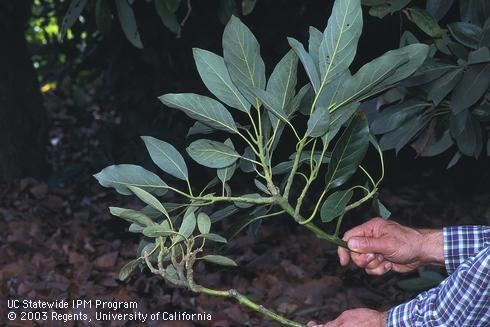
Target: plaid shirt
column 462, row 299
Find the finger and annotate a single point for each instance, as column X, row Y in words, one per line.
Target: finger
column 380, row 270
column 312, row 324
column 362, row 260
column 366, row 244
column 344, row 256
column 366, row 229
column 379, row 260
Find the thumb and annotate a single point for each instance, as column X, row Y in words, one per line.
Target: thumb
column 366, row 244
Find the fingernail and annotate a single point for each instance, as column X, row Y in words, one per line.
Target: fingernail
column 388, row 266
column 354, row 244
column 380, row 258
column 370, row 257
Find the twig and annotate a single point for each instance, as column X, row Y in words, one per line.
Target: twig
column 189, row 10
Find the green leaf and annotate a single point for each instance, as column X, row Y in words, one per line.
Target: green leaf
column 399, row 137
column 203, row 223
column 212, row 154
column 128, row 269
column 425, row 22
column 334, row 205
column 381, row 210
column 348, row 152
column 282, row 82
column 158, row 230
column 314, row 42
column 74, row 10
column 444, row 85
column 437, row 144
column 167, row 17
column 135, row 228
column 219, row 259
column 380, row 11
column 471, row 87
column 214, row 237
column 338, row 118
column 339, row 44
column 272, row 104
column 479, row 56
column 204, row 109
column 188, row 225
column 429, row 71
column 103, row 16
column 132, row 216
column 438, row 8
column 166, row 157
column 149, row 199
column 225, row 174
column 296, row 102
column 245, row 165
column 226, row 9
column 223, row 213
column 392, row 117
column 244, row 205
column 128, row 23
column 215, row 76
column 307, row 62
column 122, row 176
column 454, row 160
column 199, row 128
column 318, row 122
column 172, row 5
column 241, row 53
column 248, row 6
column 466, row 33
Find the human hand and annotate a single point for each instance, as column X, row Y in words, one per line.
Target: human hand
column 379, row 246
column 356, row 318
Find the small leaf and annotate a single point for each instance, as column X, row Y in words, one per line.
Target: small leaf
column 132, row 216
column 203, row 223
column 241, row 53
column 215, row 76
column 220, row 260
column 135, row 228
column 454, row 160
column 188, row 225
column 199, row 128
column 471, row 88
column 157, row 230
column 392, row 117
column 204, row 109
column 248, row 6
column 128, row 23
column 74, row 10
column 261, row 186
column 272, row 104
column 307, row 62
column 381, row 210
column 149, row 199
column 318, row 122
column 166, row 157
column 167, row 17
column 466, row 33
column 314, row 42
column 128, row 269
column 245, row 165
column 334, row 205
column 122, row 176
column 438, row 8
column 223, row 213
column 425, row 22
column 348, row 152
column 212, row 154
column 444, row 85
column 244, row 205
column 214, row 237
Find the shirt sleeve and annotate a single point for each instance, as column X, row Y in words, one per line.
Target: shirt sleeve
column 462, row 242
column 462, row 299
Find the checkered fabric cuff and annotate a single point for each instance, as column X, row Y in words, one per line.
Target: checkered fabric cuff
column 462, row 242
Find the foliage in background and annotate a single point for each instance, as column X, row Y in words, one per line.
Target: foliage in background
column 445, row 106
column 262, row 113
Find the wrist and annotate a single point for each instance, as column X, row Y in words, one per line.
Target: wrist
column 432, row 247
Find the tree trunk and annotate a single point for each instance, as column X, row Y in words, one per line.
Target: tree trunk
column 23, row 119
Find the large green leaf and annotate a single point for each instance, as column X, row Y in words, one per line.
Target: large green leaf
column 471, row 88
column 383, row 72
column 204, row 109
column 149, row 199
column 438, row 8
column 74, row 10
column 339, row 44
column 128, row 22
column 212, row 154
column 314, row 43
column 132, row 216
column 122, row 176
column 188, row 225
column 166, row 157
column 394, row 116
column 272, row 104
column 466, row 33
column 334, row 205
column 444, row 85
column 348, row 152
column 219, row 259
column 318, row 122
column 400, row 136
column 215, row 76
column 307, row 62
column 282, row 82
column 338, row 118
column 429, row 71
column 241, row 53
column 425, row 22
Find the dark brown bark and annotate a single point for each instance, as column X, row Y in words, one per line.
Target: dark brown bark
column 23, row 119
